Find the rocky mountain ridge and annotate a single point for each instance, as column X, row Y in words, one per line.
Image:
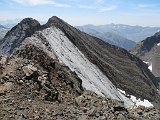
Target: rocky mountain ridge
column 40, row 66
column 113, row 65
column 57, row 93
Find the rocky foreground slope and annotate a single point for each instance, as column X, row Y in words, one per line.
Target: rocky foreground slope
column 49, row 69
column 34, row 85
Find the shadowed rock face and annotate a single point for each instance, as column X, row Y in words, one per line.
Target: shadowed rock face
column 145, row 49
column 148, row 50
column 17, row 34
column 3, row 31
column 156, row 62
column 124, row 70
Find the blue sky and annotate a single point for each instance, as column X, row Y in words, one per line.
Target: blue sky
column 80, row 12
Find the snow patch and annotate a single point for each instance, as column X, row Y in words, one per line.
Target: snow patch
column 146, row 62
column 122, row 91
column 92, row 78
column 158, row 44
column 138, row 102
column 150, row 67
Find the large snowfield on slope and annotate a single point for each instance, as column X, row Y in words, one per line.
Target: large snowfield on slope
column 92, row 78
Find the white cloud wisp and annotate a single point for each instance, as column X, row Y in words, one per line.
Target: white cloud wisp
column 40, row 2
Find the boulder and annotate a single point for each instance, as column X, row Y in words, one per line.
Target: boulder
column 3, row 60
column 29, row 70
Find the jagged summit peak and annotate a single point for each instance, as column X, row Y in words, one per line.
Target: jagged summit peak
column 1, row 26
column 17, row 34
column 26, row 23
column 54, row 21
column 29, row 21
column 54, row 18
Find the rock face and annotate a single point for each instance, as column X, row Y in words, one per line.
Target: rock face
column 124, row 70
column 93, row 79
column 146, row 49
column 17, row 34
column 3, row 32
column 156, row 62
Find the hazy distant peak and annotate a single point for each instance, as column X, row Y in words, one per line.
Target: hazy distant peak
column 134, row 33
column 1, row 26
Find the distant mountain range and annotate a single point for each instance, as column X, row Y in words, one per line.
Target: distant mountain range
column 3, row 31
column 9, row 23
column 121, row 35
column 109, row 37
